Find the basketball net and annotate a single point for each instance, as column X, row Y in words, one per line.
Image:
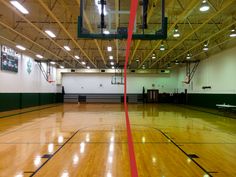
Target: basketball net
column 50, row 80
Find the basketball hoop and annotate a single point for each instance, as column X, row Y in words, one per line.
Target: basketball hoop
column 186, row 80
column 50, row 80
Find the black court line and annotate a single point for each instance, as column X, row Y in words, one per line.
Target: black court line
column 209, row 112
column 201, row 167
column 55, row 153
column 28, row 111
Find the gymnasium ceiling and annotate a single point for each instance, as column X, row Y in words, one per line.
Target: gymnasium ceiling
column 61, row 16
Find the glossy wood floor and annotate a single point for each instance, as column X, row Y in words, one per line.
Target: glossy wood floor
column 90, row 140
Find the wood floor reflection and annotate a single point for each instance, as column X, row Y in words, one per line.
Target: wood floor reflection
column 90, row 140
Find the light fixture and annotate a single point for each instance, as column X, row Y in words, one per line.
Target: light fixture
column 137, row 60
column 176, row 62
column 53, row 62
column 189, row 56
column 109, row 48
column 153, row 56
column 176, row 32
column 83, row 63
column 204, row 6
column 21, row 8
column 106, row 32
column 62, row 67
column 205, row 46
column 77, row 57
column 143, row 67
column 88, row 67
column 39, row 56
column 162, row 47
column 67, row 48
column 232, row 33
column 112, row 67
column 50, row 33
column 112, row 63
column 111, row 57
column 20, row 47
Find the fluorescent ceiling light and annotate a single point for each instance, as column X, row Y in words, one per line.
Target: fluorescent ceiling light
column 176, row 62
column 109, row 48
column 50, row 33
column 176, row 33
column 112, row 63
column 204, row 6
column 21, row 8
column 113, row 67
column 62, row 67
column 233, row 33
column 77, row 57
column 67, row 48
column 83, row 63
column 39, row 56
column 143, row 67
column 20, row 47
column 106, row 32
column 205, row 47
column 188, row 57
column 53, row 62
column 162, row 47
column 88, row 67
column 137, row 60
column 111, row 57
column 153, row 57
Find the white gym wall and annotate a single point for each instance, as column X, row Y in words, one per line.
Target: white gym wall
column 101, row 83
column 24, row 82
column 218, row 71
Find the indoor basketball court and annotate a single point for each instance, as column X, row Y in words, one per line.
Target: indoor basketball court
column 117, row 88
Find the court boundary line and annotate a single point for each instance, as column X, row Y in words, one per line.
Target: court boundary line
column 39, row 109
column 54, row 153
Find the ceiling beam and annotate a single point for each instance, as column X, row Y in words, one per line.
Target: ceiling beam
column 195, row 30
column 150, row 12
column 34, row 26
column 31, row 41
column 65, row 30
column 91, row 30
column 207, row 39
column 185, row 13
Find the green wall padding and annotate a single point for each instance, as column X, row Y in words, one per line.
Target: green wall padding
column 210, row 100
column 11, row 101
column 29, row 100
column 47, row 98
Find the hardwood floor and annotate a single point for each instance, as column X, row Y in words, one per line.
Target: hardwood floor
column 90, row 140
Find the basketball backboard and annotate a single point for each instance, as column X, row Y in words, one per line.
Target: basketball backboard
column 109, row 19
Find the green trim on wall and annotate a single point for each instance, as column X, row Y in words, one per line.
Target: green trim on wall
column 11, row 101
column 210, row 100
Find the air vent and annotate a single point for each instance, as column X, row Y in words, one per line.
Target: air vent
column 132, row 71
column 103, row 70
column 72, row 70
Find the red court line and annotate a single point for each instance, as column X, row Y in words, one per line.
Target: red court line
column 133, row 10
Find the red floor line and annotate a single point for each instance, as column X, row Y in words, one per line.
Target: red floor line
column 133, row 166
